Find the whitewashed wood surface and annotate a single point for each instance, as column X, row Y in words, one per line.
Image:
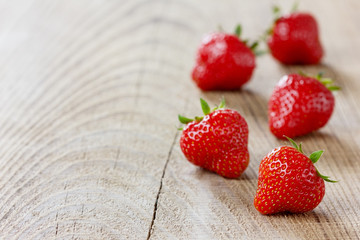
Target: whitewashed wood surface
column 89, row 147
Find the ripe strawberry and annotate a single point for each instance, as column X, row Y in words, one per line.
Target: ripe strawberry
column 223, row 62
column 289, row 182
column 294, row 39
column 217, row 141
column 300, row 104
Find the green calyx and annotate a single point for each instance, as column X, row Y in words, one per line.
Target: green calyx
column 314, row 157
column 184, row 120
column 276, row 12
column 253, row 46
column 205, row 106
column 297, row 147
column 238, row 30
column 327, row 82
column 295, row 7
column 206, row 110
column 326, row 178
column 277, row 15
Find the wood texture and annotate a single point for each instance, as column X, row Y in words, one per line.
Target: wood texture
column 90, row 92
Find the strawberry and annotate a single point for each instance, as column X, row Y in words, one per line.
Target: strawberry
column 289, row 182
column 294, row 39
column 223, row 62
column 217, row 141
column 300, row 104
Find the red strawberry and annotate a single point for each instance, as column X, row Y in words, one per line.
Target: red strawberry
column 294, row 39
column 289, row 182
column 300, row 104
column 217, row 141
column 223, row 62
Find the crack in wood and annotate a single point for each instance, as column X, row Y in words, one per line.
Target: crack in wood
column 117, row 157
column 57, row 224
column 161, row 184
column 57, row 228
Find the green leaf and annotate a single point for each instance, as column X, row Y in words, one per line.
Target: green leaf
column 329, row 180
column 184, row 120
column 276, row 9
column 254, row 45
column 260, row 52
column 238, row 30
column 300, row 148
column 300, row 72
column 294, row 144
column 268, row 33
column 295, row 6
column 326, row 178
column 325, row 80
column 319, row 75
column 222, row 103
column 220, row 28
column 205, row 106
column 198, row 119
column 314, row 157
column 333, row 88
column 276, row 12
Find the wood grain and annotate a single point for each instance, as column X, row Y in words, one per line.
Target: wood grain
column 89, row 149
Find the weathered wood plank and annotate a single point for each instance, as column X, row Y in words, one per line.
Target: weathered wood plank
column 90, row 92
column 86, row 118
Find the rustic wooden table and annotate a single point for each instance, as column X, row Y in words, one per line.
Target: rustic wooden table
column 90, row 92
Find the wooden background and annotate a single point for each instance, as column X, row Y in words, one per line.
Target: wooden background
column 90, row 92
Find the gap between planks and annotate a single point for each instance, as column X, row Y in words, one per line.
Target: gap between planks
column 161, row 184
